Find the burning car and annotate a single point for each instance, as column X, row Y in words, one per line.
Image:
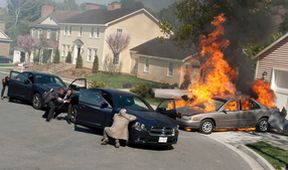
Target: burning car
column 227, row 113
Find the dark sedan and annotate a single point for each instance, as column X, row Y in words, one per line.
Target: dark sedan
column 96, row 108
column 30, row 86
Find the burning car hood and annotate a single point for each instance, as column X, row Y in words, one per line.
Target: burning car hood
column 189, row 111
column 153, row 118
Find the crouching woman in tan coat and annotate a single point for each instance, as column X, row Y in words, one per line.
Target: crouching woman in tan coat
column 119, row 128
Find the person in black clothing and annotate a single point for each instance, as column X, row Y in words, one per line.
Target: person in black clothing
column 66, row 101
column 53, row 100
column 5, row 82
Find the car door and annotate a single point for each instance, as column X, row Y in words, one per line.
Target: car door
column 251, row 112
column 229, row 116
column 167, row 107
column 78, row 84
column 92, row 108
column 20, row 87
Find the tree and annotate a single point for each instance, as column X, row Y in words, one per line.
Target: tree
column 28, row 43
column 95, row 67
column 79, row 61
column 56, row 58
column 68, row 58
column 117, row 43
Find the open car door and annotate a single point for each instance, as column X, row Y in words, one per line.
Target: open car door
column 167, row 107
column 78, row 84
column 13, row 75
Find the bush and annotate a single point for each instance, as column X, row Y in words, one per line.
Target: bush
column 143, row 90
column 97, row 84
column 69, row 58
column 56, row 58
column 95, row 67
column 127, row 86
column 79, row 62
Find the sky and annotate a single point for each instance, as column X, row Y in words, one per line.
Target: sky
column 153, row 4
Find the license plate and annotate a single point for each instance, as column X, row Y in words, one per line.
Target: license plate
column 163, row 139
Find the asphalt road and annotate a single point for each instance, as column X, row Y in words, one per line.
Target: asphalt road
column 28, row 142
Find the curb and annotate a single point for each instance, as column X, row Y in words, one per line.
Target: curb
column 263, row 162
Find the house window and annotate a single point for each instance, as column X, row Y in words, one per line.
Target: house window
column 80, row 31
column 70, row 30
column 65, row 30
column 119, row 30
column 39, row 34
column 57, row 36
column 146, row 65
column 92, row 32
column 170, row 69
column 67, row 50
column 97, row 33
column 91, row 54
column 116, row 59
column 48, row 34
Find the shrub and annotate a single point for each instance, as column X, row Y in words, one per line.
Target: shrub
column 97, row 84
column 56, row 58
column 69, row 58
column 79, row 61
column 95, row 67
column 127, row 85
column 143, row 90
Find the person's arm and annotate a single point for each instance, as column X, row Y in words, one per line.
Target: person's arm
column 129, row 117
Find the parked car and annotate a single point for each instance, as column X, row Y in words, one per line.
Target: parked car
column 5, row 60
column 96, row 107
column 255, row 115
column 30, row 86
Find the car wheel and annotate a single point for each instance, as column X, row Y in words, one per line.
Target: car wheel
column 206, row 126
column 262, row 125
column 37, row 101
column 72, row 111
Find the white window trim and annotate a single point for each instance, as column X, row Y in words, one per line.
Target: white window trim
column 168, row 70
column 48, row 34
column 146, row 69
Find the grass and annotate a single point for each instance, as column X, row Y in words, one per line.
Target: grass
column 277, row 157
column 119, row 80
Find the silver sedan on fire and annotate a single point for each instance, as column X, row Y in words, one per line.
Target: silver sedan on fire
column 227, row 113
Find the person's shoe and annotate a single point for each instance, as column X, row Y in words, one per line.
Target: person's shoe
column 117, row 143
column 104, row 141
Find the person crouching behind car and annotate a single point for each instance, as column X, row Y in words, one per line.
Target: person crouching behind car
column 65, row 103
column 5, row 82
column 119, row 128
column 53, row 100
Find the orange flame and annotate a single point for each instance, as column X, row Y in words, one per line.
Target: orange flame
column 217, row 75
column 266, row 95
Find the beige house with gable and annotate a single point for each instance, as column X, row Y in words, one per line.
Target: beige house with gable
column 86, row 34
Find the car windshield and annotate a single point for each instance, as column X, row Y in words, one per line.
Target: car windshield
column 132, row 103
column 48, row 79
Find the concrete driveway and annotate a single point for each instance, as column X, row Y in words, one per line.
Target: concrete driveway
column 28, row 142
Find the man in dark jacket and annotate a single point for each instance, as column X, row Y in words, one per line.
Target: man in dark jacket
column 65, row 103
column 53, row 99
column 5, row 82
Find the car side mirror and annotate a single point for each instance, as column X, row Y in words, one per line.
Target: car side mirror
column 104, row 105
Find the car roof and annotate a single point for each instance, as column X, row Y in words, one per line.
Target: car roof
column 41, row 73
column 116, row 92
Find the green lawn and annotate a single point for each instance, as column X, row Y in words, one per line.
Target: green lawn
column 119, row 80
column 277, row 157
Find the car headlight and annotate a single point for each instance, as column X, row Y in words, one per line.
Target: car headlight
column 139, row 126
column 195, row 118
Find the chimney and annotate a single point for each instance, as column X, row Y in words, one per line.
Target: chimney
column 46, row 10
column 113, row 6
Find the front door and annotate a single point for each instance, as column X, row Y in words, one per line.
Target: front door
column 230, row 115
column 167, row 107
column 92, row 110
column 19, row 85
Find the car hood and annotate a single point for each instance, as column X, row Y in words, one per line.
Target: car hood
column 189, row 111
column 153, row 118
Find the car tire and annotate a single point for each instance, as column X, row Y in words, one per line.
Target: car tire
column 37, row 102
column 72, row 111
column 262, row 125
column 206, row 126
